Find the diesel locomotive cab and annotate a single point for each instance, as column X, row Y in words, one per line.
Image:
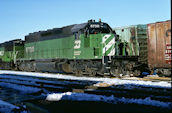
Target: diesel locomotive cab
column 92, row 27
column 94, row 41
column 98, row 27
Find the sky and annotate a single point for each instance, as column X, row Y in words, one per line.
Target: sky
column 18, row 18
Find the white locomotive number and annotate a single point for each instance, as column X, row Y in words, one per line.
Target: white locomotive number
column 95, row 26
column 30, row 49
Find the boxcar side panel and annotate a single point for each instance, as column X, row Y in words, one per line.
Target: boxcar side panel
column 151, row 44
column 159, row 44
column 168, row 49
column 160, row 35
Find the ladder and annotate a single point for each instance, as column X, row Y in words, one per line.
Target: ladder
column 106, row 61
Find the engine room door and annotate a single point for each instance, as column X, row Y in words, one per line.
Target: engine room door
column 77, row 45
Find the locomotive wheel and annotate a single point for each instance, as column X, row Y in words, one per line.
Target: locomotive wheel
column 66, row 68
column 92, row 73
column 116, row 72
column 136, row 73
column 78, row 73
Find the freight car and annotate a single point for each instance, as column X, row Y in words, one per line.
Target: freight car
column 151, row 43
column 83, row 49
column 135, row 39
column 159, row 47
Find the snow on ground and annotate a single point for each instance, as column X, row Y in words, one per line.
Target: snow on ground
column 31, row 80
column 6, row 107
column 110, row 81
column 23, row 89
column 108, row 99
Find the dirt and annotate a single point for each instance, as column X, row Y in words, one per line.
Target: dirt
column 168, row 79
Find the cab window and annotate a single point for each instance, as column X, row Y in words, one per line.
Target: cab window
column 77, row 35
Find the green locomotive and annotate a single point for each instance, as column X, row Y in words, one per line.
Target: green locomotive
column 10, row 51
column 89, row 48
column 135, row 39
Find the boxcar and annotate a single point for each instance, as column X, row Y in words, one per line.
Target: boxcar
column 159, row 46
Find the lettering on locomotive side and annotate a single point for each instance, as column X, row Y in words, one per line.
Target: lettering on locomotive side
column 30, row 49
column 1, row 53
column 77, row 52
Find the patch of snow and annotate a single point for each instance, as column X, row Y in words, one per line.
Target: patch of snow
column 6, row 107
column 57, row 97
column 33, row 80
column 110, row 81
column 20, row 82
column 146, row 101
column 133, row 83
column 139, row 82
column 108, row 99
column 77, row 97
column 152, row 75
column 23, row 89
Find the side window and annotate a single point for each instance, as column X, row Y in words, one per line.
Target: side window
column 86, row 32
column 76, row 35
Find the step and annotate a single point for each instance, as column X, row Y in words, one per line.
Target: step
column 108, row 67
column 106, row 73
column 109, row 61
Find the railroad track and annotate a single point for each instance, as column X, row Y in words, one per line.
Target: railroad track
column 49, row 85
column 153, row 79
